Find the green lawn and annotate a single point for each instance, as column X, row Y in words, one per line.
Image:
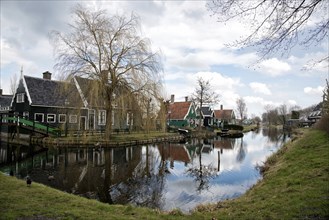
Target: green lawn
column 295, row 186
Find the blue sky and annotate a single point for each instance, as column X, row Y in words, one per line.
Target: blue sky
column 192, row 44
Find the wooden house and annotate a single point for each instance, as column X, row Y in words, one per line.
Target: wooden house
column 224, row 116
column 70, row 105
column 5, row 109
column 207, row 115
column 182, row 114
column 49, row 101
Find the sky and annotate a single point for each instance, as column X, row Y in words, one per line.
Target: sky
column 192, row 44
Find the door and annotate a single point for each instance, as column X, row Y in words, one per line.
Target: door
column 83, row 123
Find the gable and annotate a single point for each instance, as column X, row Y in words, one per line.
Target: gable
column 179, row 110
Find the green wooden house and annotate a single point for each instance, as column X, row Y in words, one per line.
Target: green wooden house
column 182, row 114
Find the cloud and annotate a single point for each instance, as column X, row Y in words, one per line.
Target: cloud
column 314, row 91
column 260, row 88
column 274, row 67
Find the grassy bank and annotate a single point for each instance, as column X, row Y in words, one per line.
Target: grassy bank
column 295, row 186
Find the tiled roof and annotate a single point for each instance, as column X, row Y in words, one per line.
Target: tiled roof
column 46, row 92
column 178, row 110
column 224, row 114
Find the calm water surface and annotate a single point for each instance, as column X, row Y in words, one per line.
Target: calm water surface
column 165, row 176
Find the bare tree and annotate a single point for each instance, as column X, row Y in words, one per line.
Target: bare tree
column 283, row 113
column 241, row 108
column 277, row 25
column 204, row 95
column 109, row 50
column 13, row 83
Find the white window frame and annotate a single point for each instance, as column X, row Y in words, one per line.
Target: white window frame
column 51, row 116
column 20, row 97
column 39, row 114
column 101, row 117
column 60, row 117
column 73, row 119
column 130, row 116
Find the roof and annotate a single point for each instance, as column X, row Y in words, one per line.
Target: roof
column 45, row 92
column 206, row 111
column 5, row 100
column 224, row 114
column 179, row 110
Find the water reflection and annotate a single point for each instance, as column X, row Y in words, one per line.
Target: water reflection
column 163, row 176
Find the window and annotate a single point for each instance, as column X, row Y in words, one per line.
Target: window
column 38, row 117
column 130, row 120
column 101, row 117
column 73, row 119
column 51, row 118
column 62, row 118
column 20, row 98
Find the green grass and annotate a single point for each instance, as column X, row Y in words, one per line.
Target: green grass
column 295, row 186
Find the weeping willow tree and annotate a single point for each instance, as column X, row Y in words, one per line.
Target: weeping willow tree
column 109, row 50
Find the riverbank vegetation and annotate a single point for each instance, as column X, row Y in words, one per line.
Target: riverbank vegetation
column 295, row 186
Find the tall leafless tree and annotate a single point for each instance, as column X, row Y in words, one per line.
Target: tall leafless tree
column 241, row 108
column 204, row 95
column 277, row 25
column 13, row 83
column 110, row 50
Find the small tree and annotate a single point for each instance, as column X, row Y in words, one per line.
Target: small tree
column 204, row 95
column 241, row 108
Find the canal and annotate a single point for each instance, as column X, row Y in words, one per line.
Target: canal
column 164, row 176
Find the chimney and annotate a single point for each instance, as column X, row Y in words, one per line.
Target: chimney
column 172, row 98
column 221, row 107
column 186, row 98
column 47, row 75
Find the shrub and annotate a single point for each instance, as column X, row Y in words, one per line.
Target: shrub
column 323, row 124
column 233, row 127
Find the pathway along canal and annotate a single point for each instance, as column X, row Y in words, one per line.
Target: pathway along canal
column 165, row 176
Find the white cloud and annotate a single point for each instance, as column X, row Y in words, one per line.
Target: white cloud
column 274, row 67
column 260, row 88
column 314, row 91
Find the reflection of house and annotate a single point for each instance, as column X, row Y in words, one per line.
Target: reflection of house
column 226, row 143
column 174, row 152
column 181, row 114
column 224, row 116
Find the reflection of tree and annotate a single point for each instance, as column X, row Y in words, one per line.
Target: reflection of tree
column 241, row 151
column 145, row 186
column 202, row 174
column 275, row 135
